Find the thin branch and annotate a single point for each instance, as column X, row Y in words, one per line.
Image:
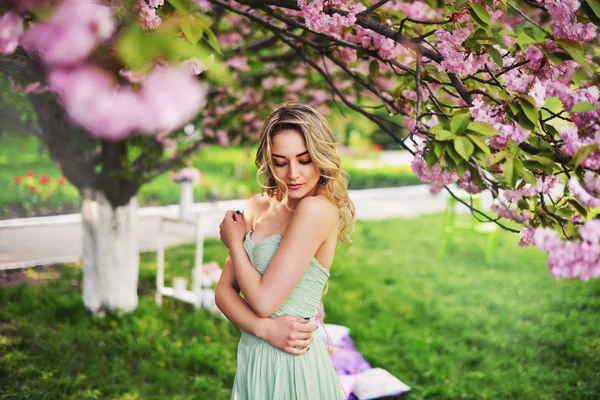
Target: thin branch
column 525, row 16
column 373, row 7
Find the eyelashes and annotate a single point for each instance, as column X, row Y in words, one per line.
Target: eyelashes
column 301, row 162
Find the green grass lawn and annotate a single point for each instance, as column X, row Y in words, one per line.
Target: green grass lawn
column 229, row 173
column 452, row 328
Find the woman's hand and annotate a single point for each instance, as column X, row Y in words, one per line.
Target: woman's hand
column 286, row 333
column 232, row 228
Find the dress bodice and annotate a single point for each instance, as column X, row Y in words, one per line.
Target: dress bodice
column 304, row 299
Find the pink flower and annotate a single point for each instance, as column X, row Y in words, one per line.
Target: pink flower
column 213, row 271
column 72, row 33
column 147, row 15
column 11, row 28
column 230, row 38
column 592, row 181
column 238, row 62
column 526, row 235
column 195, row 66
column 582, row 195
column 92, row 98
column 436, row 176
column 169, row 98
column 318, row 21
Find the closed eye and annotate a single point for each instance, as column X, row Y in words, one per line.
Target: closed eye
column 284, row 164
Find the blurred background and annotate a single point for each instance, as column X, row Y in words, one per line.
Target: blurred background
column 450, row 305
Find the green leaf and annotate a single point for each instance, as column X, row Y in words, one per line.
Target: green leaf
column 583, row 107
column 453, row 154
column 524, row 121
column 497, row 157
column 529, row 177
column 481, row 13
column 592, row 9
column 577, row 57
column 508, row 168
column 459, row 122
column 374, row 69
column 530, row 110
column 192, row 31
column 581, row 209
column 443, row 134
column 514, row 148
column 480, row 142
column 439, row 148
column 464, row 147
column 584, row 152
column 180, row 5
column 482, row 128
column 524, row 40
column 430, row 158
column 495, row 54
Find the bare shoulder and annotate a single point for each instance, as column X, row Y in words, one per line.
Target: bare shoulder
column 318, row 208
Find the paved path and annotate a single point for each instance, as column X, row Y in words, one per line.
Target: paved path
column 30, row 242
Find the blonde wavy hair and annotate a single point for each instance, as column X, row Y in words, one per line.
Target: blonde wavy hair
column 322, row 146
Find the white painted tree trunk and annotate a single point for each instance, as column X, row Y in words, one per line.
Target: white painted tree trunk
column 110, row 254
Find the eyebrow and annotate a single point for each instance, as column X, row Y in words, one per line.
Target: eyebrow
column 297, row 155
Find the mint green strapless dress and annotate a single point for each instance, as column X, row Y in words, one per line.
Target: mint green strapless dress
column 267, row 373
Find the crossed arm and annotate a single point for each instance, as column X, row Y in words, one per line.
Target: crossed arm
column 310, row 224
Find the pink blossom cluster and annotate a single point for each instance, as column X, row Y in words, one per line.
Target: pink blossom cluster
column 563, row 14
column 436, row 175
column 147, row 15
column 385, row 47
column 584, row 197
column 272, row 81
column 526, row 235
column 539, row 78
column 418, row 10
column 592, row 182
column 466, row 185
column 227, row 39
column 194, row 66
column 92, row 98
column 317, row 20
column 204, row 5
column 11, row 29
column 239, row 63
column 188, row 174
column 585, row 120
column 456, row 59
column 71, row 34
column 496, row 117
column 572, row 142
column 504, row 211
column 572, row 259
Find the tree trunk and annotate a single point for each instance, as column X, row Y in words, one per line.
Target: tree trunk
column 110, row 253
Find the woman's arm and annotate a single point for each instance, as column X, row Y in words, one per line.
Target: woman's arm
column 285, row 333
column 312, row 221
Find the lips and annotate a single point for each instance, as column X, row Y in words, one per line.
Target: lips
column 295, row 187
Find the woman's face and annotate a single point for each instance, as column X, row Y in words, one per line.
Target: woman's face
column 293, row 165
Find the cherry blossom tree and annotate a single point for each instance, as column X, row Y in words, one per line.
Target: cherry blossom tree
column 501, row 95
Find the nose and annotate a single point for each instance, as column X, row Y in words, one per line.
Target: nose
column 293, row 172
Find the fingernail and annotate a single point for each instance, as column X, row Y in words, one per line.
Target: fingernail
column 307, row 318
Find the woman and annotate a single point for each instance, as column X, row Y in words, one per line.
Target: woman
column 280, row 252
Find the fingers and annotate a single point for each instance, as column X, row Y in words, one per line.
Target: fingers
column 294, row 351
column 300, row 343
column 307, row 327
